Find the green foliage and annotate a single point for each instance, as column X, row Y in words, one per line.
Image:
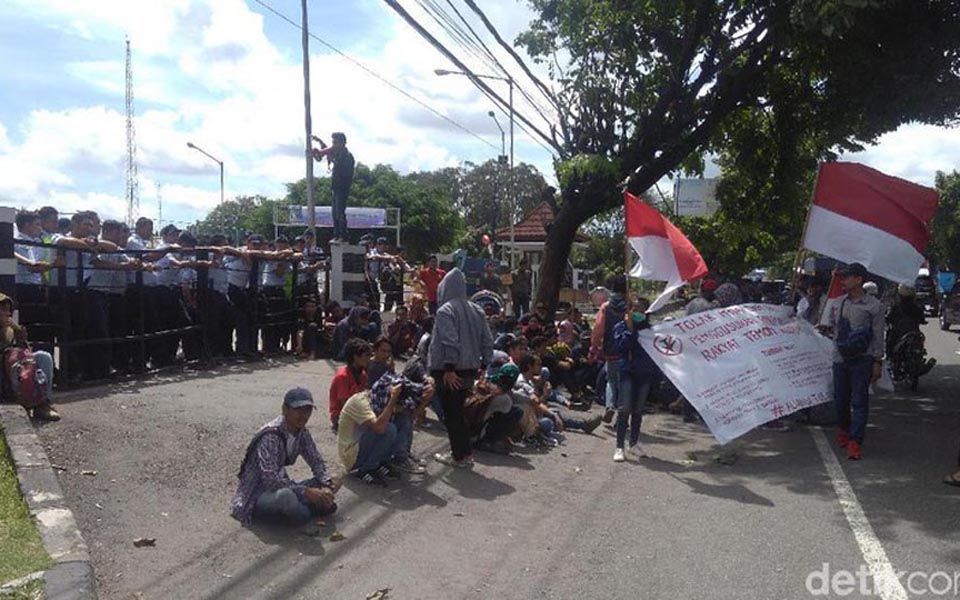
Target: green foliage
column 243, row 213
column 944, row 248
column 769, row 86
column 20, row 544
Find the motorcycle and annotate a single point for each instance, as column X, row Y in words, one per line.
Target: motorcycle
column 908, row 359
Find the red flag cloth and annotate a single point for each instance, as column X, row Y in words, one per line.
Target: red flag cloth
column 664, row 253
column 862, row 215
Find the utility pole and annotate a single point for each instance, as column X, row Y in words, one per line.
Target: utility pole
column 308, row 123
column 133, row 183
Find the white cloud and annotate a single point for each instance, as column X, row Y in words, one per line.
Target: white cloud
column 914, row 152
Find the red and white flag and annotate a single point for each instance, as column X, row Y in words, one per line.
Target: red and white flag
column 665, row 254
column 861, row 215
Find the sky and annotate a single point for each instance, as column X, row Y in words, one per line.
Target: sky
column 226, row 75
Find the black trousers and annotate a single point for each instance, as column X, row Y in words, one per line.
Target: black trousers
column 221, row 320
column 452, row 401
column 96, row 310
column 275, row 333
column 243, row 319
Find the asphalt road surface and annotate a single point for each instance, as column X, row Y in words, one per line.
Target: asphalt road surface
column 568, row 523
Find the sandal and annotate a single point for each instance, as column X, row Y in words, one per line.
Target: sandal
column 951, row 480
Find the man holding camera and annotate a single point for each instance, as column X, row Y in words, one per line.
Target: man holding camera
column 266, row 492
column 375, row 432
column 340, row 180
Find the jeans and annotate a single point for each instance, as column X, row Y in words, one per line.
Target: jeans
column 284, row 506
column 633, row 395
column 613, row 384
column 339, row 210
column 521, row 304
column 376, row 448
column 44, row 363
column 404, row 425
column 851, row 390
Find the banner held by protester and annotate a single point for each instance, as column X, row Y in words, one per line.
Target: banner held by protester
column 743, row 366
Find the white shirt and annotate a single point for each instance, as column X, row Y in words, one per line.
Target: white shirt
column 218, row 276
column 30, row 252
column 238, row 271
column 168, row 274
column 107, row 281
column 73, row 262
column 149, row 278
column 270, row 277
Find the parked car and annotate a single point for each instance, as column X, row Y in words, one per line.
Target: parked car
column 950, row 309
column 927, row 297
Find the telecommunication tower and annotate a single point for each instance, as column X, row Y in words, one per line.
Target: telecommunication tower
column 133, row 183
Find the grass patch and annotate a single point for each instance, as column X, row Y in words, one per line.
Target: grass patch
column 31, row 591
column 20, row 544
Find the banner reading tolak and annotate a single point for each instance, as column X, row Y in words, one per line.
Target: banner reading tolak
column 357, row 218
column 743, row 366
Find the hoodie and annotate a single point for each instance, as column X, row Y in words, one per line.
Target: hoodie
column 349, row 327
column 461, row 339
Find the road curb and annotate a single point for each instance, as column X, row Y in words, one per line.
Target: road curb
column 72, row 577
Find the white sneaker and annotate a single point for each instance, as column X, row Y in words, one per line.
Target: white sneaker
column 618, row 455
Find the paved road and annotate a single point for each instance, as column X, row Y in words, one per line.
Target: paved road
column 566, row 524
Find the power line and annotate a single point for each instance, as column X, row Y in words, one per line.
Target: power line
column 376, row 75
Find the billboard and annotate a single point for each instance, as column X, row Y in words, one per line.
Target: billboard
column 696, row 197
column 357, row 218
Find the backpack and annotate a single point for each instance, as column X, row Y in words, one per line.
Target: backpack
column 20, row 365
column 851, row 343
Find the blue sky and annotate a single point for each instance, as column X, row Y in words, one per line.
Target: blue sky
column 226, row 75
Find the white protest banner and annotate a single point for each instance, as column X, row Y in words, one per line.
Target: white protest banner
column 357, row 218
column 743, row 366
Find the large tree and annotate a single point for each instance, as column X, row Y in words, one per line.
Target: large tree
column 944, row 248
column 645, row 87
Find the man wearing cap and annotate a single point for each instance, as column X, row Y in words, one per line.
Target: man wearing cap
column 266, row 492
column 857, row 322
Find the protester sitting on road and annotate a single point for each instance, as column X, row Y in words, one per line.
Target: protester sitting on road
column 266, row 492
column 416, row 395
column 15, row 351
column 533, row 328
column 491, row 413
column 403, row 333
column 382, row 361
column 638, row 374
column 530, row 385
column 367, row 441
column 354, row 325
column 418, row 311
column 350, row 378
column 308, row 338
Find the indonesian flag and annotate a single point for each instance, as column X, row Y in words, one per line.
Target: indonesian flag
column 861, row 215
column 664, row 253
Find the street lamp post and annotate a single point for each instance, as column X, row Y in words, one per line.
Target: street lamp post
column 513, row 195
column 500, row 161
column 193, row 146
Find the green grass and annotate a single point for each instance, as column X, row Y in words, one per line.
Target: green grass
column 20, row 544
column 30, row 591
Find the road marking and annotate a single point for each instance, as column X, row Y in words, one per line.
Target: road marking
column 885, row 579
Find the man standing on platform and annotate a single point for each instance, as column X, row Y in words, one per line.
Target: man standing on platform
column 340, row 180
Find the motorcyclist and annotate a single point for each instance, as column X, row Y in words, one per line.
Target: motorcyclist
column 905, row 316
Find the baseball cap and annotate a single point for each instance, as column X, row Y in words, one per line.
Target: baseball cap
column 505, row 377
column 298, row 397
column 854, row 270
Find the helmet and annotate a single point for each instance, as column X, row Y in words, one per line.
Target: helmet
column 906, row 291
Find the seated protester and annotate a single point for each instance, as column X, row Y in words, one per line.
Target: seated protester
column 29, row 375
column 533, row 328
column 417, row 372
column 516, row 348
column 491, row 412
column 427, row 328
column 403, row 333
column 566, row 331
column 416, row 395
column 332, row 314
column 539, row 393
column 557, row 370
column 368, row 441
column 418, row 311
column 586, row 367
column 638, row 373
column 266, row 492
column 354, row 325
column 382, row 361
column 350, row 378
column 374, row 328
column 308, row 337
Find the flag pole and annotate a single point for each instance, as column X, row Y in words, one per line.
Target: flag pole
column 801, row 251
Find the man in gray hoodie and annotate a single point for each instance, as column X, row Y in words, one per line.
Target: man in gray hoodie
column 460, row 346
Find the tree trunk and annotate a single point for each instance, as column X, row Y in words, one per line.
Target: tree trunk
column 556, row 253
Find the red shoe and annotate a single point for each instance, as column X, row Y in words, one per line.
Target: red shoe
column 853, row 450
column 842, row 439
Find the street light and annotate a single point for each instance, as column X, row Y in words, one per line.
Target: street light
column 193, row 146
column 513, row 195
